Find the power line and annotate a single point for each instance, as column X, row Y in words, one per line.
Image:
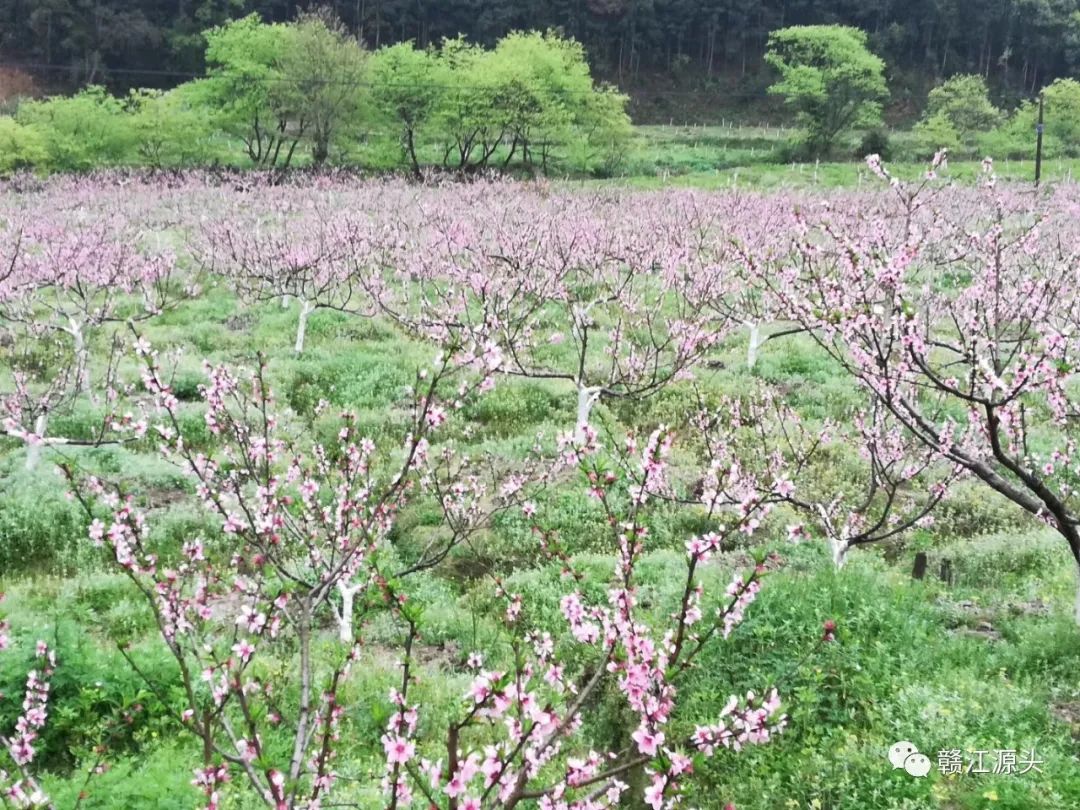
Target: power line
column 359, row 83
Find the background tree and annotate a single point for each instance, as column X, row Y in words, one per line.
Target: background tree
column 15, row 85
column 322, row 71
column 830, row 78
column 957, row 112
column 1062, row 116
column 1018, row 45
column 407, row 87
column 247, row 92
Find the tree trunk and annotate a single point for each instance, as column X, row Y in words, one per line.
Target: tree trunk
column 1076, row 607
column 840, row 549
column 410, row 147
column 755, row 344
column 82, row 357
column 306, row 308
column 41, row 424
column 321, row 149
column 587, row 397
column 345, row 618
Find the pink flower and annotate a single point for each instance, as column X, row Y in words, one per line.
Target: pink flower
column 654, row 793
column 398, row 750
column 455, row 786
column 243, row 650
column 435, row 416
column 647, row 742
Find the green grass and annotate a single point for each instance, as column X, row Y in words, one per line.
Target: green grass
column 715, row 157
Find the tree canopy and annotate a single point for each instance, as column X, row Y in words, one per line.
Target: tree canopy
column 830, row 78
column 275, row 92
column 1017, row 45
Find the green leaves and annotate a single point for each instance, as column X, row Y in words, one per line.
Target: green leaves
column 530, row 100
column 830, row 77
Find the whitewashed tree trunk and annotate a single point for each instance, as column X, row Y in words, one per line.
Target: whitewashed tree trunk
column 840, row 549
column 306, row 308
column 285, row 302
column 82, row 357
column 33, row 451
column 755, row 344
column 1076, row 608
column 587, row 397
column 345, row 618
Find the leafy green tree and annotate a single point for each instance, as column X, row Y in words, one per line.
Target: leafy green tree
column 468, row 119
column 322, row 72
column 1016, row 136
column 530, row 100
column 830, row 78
column 1062, row 114
column 276, row 85
column 245, row 90
column 605, row 131
column 408, row 85
column 957, row 112
column 1061, row 137
column 547, row 97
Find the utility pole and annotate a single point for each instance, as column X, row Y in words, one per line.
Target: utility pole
column 1038, row 143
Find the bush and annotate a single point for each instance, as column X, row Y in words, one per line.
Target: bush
column 168, row 129
column 81, row 132
column 95, row 696
column 511, row 408
column 21, row 147
column 990, row 560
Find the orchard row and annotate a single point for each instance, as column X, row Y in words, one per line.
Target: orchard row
column 953, row 310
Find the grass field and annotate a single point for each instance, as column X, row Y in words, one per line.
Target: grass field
column 717, row 157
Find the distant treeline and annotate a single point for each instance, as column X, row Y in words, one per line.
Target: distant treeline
column 1017, row 45
column 277, row 95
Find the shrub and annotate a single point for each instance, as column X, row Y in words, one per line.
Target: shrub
column 82, row 132
column 21, row 147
